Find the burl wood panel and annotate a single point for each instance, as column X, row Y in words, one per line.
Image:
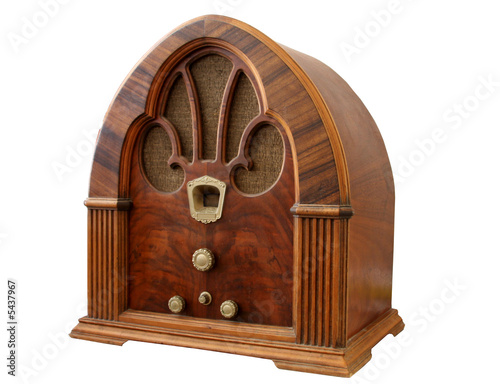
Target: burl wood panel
column 252, row 243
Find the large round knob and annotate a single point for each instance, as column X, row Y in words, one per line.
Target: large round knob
column 203, row 259
column 229, row 309
column 176, row 304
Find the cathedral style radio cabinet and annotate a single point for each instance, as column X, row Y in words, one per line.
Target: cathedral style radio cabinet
column 241, row 200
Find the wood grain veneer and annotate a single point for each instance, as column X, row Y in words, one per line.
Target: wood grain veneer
column 308, row 259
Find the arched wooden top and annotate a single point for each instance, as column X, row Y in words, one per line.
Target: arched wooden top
column 330, row 131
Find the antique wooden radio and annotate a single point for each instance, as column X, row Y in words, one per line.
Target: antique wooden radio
column 241, row 200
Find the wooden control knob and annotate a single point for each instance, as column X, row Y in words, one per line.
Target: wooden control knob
column 203, row 259
column 176, row 304
column 229, row 309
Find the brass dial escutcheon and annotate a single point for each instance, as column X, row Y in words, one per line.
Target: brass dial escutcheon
column 176, row 304
column 205, row 298
column 203, row 259
column 229, row 309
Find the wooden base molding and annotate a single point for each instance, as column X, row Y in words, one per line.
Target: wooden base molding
column 342, row 362
column 98, row 338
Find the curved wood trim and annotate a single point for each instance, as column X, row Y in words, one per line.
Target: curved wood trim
column 243, row 158
column 194, row 104
column 227, row 100
column 275, row 115
column 137, row 94
column 178, row 65
column 126, row 155
column 305, row 80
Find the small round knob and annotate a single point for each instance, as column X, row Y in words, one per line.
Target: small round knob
column 229, row 309
column 176, row 304
column 203, row 259
column 205, row 298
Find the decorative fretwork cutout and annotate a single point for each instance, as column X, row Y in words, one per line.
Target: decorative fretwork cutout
column 211, row 110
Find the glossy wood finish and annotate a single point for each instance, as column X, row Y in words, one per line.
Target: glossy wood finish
column 107, row 243
column 287, row 100
column 253, row 239
column 335, row 244
column 371, row 229
column 318, row 283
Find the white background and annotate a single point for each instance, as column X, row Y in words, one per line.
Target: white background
column 428, row 58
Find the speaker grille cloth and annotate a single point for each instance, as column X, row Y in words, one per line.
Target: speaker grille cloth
column 178, row 112
column 156, row 151
column 210, row 74
column 244, row 107
column 266, row 152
